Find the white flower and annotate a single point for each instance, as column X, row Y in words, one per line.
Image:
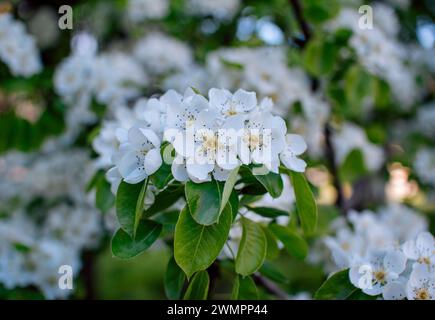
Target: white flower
column 425, row 165
column 210, row 148
column 421, row 284
column 395, row 290
column 378, row 269
column 140, row 156
column 113, row 176
column 17, row 48
column 421, row 250
column 140, row 10
column 262, row 140
column 161, row 54
column 242, row 102
column 295, row 147
column 182, row 110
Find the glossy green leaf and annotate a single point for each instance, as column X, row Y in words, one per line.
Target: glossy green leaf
column 129, row 205
column 204, row 201
column 125, row 247
column 272, row 182
column 268, row 212
column 252, row 249
column 294, row 244
column 305, row 203
column 336, row 287
column 104, row 198
column 198, row 287
column 244, row 288
column 228, row 188
column 174, row 280
column 196, row 246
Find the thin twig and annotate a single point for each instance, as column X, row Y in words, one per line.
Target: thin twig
column 297, row 9
column 331, row 158
column 270, row 287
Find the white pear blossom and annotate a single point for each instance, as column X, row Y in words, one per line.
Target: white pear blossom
column 380, row 267
column 295, row 146
column 424, row 165
column 161, row 54
column 18, row 49
column 421, row 284
column 139, row 157
column 421, row 250
column 242, row 102
column 140, row 10
column 263, row 139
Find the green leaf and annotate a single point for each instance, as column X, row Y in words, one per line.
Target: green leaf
column 294, row 244
column 305, row 203
column 320, row 57
column 272, row 245
column 125, row 247
column 165, row 198
column 252, row 248
column 104, row 198
column 270, row 271
column 129, row 205
column 353, row 166
column 174, row 280
column 244, row 289
column 204, row 200
column 228, row 188
column 196, row 246
column 320, row 11
column 336, row 287
column 272, row 182
column 268, row 212
column 198, row 287
column 162, row 176
column 234, row 203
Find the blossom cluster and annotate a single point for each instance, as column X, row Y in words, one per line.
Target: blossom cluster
column 211, row 137
column 379, row 50
column 17, row 48
column 35, row 241
column 388, row 253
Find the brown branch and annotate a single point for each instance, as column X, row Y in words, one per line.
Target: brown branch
column 270, row 287
column 297, row 9
column 340, row 202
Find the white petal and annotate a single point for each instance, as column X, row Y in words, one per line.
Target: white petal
column 199, row 171
column 219, row 99
column 136, row 137
column 246, row 101
column 220, row 174
column 179, row 170
column 410, row 250
column 296, row 143
column 207, row 119
column 172, row 97
column 425, row 244
column 419, row 275
column 354, row 275
column 292, row 162
column 153, row 161
column 114, row 178
column 395, row 261
column 130, row 168
column 394, row 291
column 151, row 137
